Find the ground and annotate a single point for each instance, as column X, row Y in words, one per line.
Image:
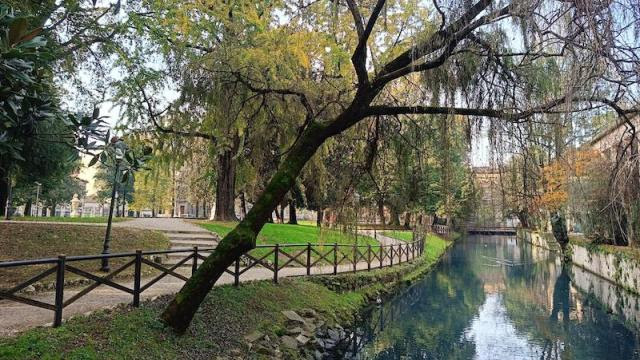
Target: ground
column 294, row 234
column 405, row 235
column 87, row 220
column 226, row 316
column 32, row 241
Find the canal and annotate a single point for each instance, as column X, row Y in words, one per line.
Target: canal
column 494, row 297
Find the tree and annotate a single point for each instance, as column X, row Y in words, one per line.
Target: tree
column 105, row 182
column 30, row 114
column 62, row 192
column 439, row 41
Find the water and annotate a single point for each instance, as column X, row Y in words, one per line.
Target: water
column 496, row 298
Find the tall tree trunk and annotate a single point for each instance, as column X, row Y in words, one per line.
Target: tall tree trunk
column 197, row 209
column 319, row 217
column 243, row 204
column 407, row 220
column 293, row 218
column 4, row 191
column 242, row 238
column 282, row 213
column 395, row 217
column 277, row 216
column 226, row 187
column 27, row 207
column 381, row 211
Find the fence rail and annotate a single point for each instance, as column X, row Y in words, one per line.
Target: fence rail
column 301, row 256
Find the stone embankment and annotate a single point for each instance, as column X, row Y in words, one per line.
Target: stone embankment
column 616, row 264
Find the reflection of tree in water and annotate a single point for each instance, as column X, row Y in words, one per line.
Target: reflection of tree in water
column 428, row 319
column 561, row 296
column 570, row 326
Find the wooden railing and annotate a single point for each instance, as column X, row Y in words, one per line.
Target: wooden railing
column 271, row 257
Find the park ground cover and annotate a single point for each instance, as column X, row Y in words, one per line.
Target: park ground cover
column 84, row 220
column 20, row 241
column 225, row 317
column 404, row 235
column 287, row 234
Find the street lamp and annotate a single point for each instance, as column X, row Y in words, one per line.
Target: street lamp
column 118, row 146
column 37, row 197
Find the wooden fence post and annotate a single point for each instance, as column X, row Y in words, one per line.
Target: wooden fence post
column 308, row 258
column 59, row 301
column 381, row 255
column 276, row 254
column 194, row 267
column 369, row 257
column 391, row 257
column 335, row 258
column 236, row 273
column 137, row 274
column 355, row 258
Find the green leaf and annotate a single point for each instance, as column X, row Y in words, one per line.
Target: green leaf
column 93, row 161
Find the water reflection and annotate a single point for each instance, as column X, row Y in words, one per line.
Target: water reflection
column 496, row 298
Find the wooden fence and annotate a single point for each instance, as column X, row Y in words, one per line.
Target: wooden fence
column 272, row 257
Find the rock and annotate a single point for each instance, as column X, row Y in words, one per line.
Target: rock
column 289, row 342
column 302, row 340
column 333, row 334
column 264, row 350
column 294, row 331
column 29, row 289
column 310, row 313
column 329, row 344
column 318, row 355
column 254, row 336
column 309, row 327
column 293, row 316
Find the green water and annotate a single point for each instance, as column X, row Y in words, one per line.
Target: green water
column 496, row 298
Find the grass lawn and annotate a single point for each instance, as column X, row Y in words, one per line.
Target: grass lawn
column 33, row 241
column 225, row 317
column 404, row 235
column 284, row 234
column 87, row 220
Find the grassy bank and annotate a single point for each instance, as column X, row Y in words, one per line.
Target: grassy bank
column 84, row 220
column 284, row 234
column 226, row 316
column 32, row 241
column 293, row 234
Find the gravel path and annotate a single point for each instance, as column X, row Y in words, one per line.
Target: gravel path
column 16, row 317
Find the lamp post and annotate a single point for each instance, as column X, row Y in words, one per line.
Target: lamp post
column 118, row 155
column 37, row 197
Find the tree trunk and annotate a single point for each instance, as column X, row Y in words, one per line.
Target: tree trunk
column 381, row 211
column 242, row 238
column 407, row 220
column 4, row 191
column 27, row 207
column 277, row 216
column 243, row 204
column 281, row 213
column 197, row 209
column 293, row 218
column 225, row 187
column 319, row 217
column 395, row 217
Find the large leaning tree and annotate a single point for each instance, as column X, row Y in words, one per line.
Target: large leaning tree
column 470, row 58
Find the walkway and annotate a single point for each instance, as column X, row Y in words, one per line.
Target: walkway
column 17, row 317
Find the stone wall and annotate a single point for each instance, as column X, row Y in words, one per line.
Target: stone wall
column 607, row 263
